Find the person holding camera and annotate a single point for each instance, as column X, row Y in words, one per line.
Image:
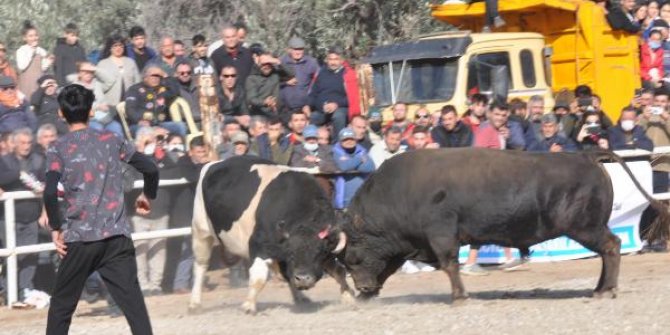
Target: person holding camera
column 592, row 133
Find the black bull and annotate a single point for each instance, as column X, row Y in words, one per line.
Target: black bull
column 423, row 205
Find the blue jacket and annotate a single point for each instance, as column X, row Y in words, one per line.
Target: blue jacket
column 544, row 144
column 347, row 184
column 17, row 117
column 304, row 70
column 617, row 139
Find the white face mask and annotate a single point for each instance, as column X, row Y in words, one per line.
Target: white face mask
column 627, row 125
column 310, row 146
column 150, row 149
column 176, row 147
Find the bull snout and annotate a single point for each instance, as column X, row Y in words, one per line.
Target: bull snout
column 368, row 289
column 303, row 281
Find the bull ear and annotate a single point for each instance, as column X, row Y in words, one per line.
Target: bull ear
column 341, row 242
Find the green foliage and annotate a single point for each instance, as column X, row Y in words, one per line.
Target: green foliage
column 354, row 24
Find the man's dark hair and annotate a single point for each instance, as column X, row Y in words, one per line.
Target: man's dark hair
column 71, row 28
column 393, row 130
column 180, row 42
column 198, row 39
column 240, row 25
column 296, row 112
column 446, row 109
column 75, row 103
column 479, row 98
column 230, row 120
column 107, row 49
column 26, row 27
column 198, row 141
column 661, row 91
column 499, row 105
column 257, row 49
column 647, row 91
column 136, row 31
column 517, row 104
column 273, row 121
column 583, row 91
column 336, row 49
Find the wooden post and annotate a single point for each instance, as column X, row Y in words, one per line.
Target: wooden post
column 209, row 110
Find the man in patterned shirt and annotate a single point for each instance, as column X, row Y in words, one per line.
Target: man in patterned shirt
column 95, row 235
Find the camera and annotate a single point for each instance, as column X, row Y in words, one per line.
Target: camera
column 593, row 129
column 657, row 110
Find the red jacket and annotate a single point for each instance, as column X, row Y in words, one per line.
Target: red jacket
column 651, row 60
column 353, row 93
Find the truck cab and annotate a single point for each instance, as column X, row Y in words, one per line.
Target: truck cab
column 447, row 68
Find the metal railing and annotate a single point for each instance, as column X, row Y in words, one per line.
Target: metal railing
column 11, row 251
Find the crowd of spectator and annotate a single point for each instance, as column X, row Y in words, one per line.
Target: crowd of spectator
column 291, row 110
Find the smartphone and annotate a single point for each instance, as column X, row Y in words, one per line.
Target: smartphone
column 592, row 130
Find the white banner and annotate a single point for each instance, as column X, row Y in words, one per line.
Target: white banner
column 627, row 209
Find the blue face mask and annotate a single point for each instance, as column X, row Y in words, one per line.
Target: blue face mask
column 654, row 44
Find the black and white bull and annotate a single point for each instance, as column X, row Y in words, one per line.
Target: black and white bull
column 273, row 216
column 423, row 205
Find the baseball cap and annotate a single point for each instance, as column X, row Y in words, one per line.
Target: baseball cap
column 6, row 81
column 310, row 131
column 374, row 113
column 296, row 43
column 44, row 78
column 240, row 137
column 346, row 133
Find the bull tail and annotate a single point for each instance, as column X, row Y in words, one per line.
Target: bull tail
column 660, row 228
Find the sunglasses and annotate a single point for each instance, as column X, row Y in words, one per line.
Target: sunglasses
column 184, row 73
column 228, row 75
column 8, row 88
column 422, row 116
column 155, row 75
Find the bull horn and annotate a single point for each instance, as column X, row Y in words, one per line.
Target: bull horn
column 341, row 243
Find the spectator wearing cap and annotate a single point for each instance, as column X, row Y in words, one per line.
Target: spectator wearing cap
column 651, row 64
column 6, row 68
column 147, row 103
column 354, row 164
column 311, row 154
column 389, row 147
column 452, row 133
column 334, row 95
column 232, row 97
column 45, row 104
column 294, row 93
column 231, row 53
column 240, row 142
column 262, row 86
column 552, row 140
column 67, row 53
column 15, row 112
column 375, row 123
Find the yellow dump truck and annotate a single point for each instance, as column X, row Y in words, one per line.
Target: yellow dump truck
column 546, row 46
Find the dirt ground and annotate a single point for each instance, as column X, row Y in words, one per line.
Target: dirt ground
column 549, row 298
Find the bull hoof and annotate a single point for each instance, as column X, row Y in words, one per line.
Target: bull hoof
column 459, row 300
column 606, row 294
column 249, row 308
column 195, row 309
column 347, row 297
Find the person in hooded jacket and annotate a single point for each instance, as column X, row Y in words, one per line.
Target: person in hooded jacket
column 67, row 53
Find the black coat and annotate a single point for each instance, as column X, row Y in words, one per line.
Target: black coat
column 243, row 62
column 10, row 169
column 67, row 57
column 461, row 136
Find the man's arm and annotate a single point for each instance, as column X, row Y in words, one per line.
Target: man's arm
column 50, row 198
column 149, row 171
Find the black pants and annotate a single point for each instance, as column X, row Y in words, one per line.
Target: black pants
column 114, row 259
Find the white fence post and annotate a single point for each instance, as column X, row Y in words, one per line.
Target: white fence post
column 10, row 237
